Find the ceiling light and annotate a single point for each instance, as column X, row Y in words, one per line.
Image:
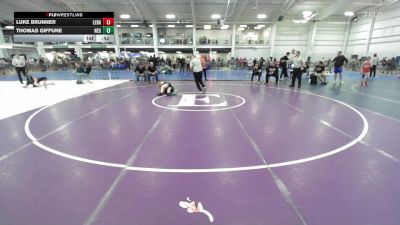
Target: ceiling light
column 171, row 25
column 189, row 25
column 9, row 27
column 207, row 27
column 224, row 27
column 6, row 46
column 348, row 13
column 257, row 28
column 261, row 25
column 170, row 16
column 125, row 16
column 261, row 16
column 243, row 26
column 300, row 21
column 307, row 13
column 134, row 25
column 119, row 25
column 178, row 52
column 151, row 25
column 215, row 16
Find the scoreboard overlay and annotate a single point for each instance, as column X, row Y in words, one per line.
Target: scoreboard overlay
column 64, row 27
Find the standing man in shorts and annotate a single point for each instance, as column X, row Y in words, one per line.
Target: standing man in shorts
column 339, row 61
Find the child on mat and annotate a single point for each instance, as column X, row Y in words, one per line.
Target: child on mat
column 36, row 82
column 165, row 88
column 365, row 71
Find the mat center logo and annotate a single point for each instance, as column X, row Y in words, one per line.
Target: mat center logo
column 199, row 101
column 191, row 207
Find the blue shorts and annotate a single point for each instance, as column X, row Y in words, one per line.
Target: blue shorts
column 338, row 69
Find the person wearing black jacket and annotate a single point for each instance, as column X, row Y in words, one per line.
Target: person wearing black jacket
column 140, row 71
column 256, row 72
column 283, row 63
column 152, row 71
column 339, row 61
column 182, row 64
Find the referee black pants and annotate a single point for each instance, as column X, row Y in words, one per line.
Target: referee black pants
column 296, row 75
column 20, row 70
column 284, row 71
column 373, row 70
column 198, row 80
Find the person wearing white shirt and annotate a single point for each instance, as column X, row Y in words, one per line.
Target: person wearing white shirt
column 195, row 66
column 19, row 62
column 374, row 61
column 298, row 67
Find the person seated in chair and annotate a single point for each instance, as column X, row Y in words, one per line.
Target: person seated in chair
column 165, row 88
column 272, row 71
column 256, row 72
column 320, row 72
column 152, row 71
column 140, row 71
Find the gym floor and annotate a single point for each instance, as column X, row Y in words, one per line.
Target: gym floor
column 241, row 154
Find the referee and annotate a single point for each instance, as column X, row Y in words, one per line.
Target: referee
column 19, row 62
column 298, row 67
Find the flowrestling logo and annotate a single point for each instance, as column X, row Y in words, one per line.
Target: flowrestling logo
column 188, row 101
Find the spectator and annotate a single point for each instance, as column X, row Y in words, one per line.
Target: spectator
column 272, row 71
column 204, row 65
column 152, row 71
column 256, row 72
column 140, row 71
column 173, row 62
